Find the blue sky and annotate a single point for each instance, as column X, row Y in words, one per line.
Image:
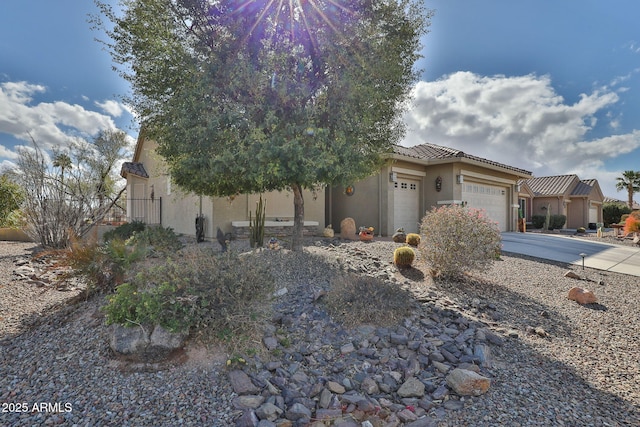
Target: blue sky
column 548, row 86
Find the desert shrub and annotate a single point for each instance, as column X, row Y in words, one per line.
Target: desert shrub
column 457, row 239
column 538, row 220
column 612, row 213
column 403, row 256
column 215, row 295
column 158, row 239
column 124, row 231
column 356, row 300
column 556, row 222
column 581, row 230
column 413, row 239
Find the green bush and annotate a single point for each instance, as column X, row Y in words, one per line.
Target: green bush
column 124, row 231
column 538, row 220
column 457, row 239
column 612, row 213
column 556, row 222
column 218, row 295
column 156, row 238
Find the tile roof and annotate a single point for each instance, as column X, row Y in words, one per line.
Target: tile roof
column 437, row 152
column 134, row 168
column 551, row 185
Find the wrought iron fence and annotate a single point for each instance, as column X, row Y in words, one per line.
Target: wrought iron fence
column 148, row 211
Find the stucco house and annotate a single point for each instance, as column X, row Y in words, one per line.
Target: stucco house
column 579, row 200
column 153, row 199
column 424, row 176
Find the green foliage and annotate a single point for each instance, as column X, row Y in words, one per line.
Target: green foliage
column 538, row 220
column 158, row 239
column 256, row 229
column 403, row 256
column 355, row 300
column 457, row 239
column 629, row 181
column 413, row 239
column 271, row 96
column 581, row 230
column 612, row 213
column 218, row 295
column 556, row 222
column 124, row 231
column 11, row 198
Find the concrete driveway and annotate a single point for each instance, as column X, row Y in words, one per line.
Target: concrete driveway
column 601, row 256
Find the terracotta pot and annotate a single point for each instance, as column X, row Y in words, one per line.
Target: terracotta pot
column 365, row 237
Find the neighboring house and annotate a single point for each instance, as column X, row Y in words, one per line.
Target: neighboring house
column 422, row 177
column 635, row 207
column 579, row 200
column 153, row 199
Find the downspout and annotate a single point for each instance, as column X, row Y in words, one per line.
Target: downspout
column 380, row 204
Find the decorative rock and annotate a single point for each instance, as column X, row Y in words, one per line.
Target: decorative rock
column 399, row 236
column 582, row 296
column 166, row 340
column 248, row 401
column 348, row 229
column 328, row 414
column 328, row 231
column 335, row 387
column 298, row 411
column 467, row 383
column 413, row 387
column 241, row 383
column 571, row 275
column 129, row 341
column 268, row 411
column 248, row 419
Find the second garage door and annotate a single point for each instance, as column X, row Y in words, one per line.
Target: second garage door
column 490, row 198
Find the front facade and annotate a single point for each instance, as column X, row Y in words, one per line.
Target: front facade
column 579, row 200
column 153, row 199
column 422, row 177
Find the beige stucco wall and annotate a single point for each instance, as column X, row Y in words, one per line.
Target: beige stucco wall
column 363, row 206
column 180, row 209
column 555, row 203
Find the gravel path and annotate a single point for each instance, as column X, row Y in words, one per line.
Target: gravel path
column 560, row 364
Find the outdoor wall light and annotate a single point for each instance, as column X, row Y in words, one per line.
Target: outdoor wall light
column 459, row 179
column 393, row 177
column 439, row 183
column 349, row 190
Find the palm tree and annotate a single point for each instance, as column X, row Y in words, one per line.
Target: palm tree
column 62, row 161
column 630, row 181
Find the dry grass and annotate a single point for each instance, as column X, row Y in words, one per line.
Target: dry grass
column 356, row 300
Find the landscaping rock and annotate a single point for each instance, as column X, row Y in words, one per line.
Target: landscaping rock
column 571, row 275
column 467, row 383
column 348, row 229
column 582, row 296
column 129, row 340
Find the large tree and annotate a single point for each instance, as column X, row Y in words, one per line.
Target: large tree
column 629, row 181
column 253, row 96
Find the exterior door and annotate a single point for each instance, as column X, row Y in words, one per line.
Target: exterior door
column 406, row 199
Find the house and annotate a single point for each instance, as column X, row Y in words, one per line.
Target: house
column 579, row 200
column 153, row 199
column 421, row 177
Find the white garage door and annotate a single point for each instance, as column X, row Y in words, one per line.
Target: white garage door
column 406, row 201
column 593, row 214
column 492, row 199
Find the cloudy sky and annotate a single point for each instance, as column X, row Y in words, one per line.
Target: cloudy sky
column 549, row 86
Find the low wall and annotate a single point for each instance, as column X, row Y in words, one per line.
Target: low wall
column 273, row 229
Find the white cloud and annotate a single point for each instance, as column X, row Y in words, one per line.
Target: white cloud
column 51, row 124
column 113, row 108
column 520, row 121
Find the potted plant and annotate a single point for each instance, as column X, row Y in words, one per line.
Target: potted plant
column 366, row 234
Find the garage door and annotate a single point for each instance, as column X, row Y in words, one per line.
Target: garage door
column 593, row 214
column 406, row 201
column 492, row 199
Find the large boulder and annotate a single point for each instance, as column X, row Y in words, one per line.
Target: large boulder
column 145, row 343
column 467, row 383
column 348, row 229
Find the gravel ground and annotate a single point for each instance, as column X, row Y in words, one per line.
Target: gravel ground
column 562, row 364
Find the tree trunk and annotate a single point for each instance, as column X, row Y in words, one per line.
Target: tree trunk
column 298, row 218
